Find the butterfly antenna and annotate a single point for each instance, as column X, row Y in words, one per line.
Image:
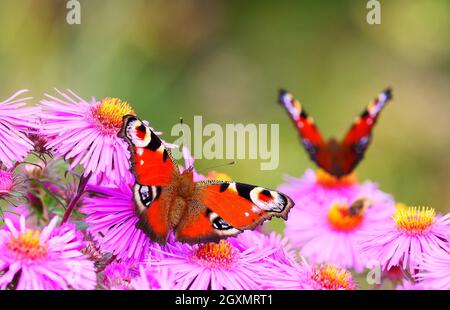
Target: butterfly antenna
column 231, row 163
column 182, row 129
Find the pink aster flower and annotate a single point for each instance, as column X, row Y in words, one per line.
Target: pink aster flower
column 14, row 214
column 117, row 276
column 12, row 187
column 86, row 133
column 234, row 263
column 110, row 214
column 153, row 279
column 282, row 253
column 435, row 271
column 7, row 183
column 16, row 120
column 406, row 237
column 324, row 224
column 408, row 285
column 46, row 259
column 307, row 277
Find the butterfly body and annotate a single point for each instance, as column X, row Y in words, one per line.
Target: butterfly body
column 331, row 157
column 338, row 158
column 168, row 200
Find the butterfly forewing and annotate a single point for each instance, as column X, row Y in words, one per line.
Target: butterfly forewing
column 151, row 160
column 309, row 133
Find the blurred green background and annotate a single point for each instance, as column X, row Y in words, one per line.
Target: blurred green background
column 225, row 60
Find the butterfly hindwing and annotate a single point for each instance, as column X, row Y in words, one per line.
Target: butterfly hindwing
column 153, row 211
column 151, row 161
column 223, row 209
column 203, row 225
column 243, row 206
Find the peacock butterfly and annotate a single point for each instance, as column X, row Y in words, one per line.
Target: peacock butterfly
column 338, row 158
column 167, row 200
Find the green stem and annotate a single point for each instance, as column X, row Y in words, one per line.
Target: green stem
column 73, row 203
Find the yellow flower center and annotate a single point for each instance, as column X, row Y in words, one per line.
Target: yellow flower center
column 333, row 277
column 400, row 206
column 327, row 180
column 414, row 220
column 108, row 114
column 340, row 217
column 27, row 246
column 215, row 254
column 214, row 175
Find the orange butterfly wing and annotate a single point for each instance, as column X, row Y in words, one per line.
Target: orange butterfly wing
column 362, row 128
column 309, row 133
column 223, row 209
column 154, row 171
column 359, row 136
column 151, row 161
column 153, row 211
column 197, row 226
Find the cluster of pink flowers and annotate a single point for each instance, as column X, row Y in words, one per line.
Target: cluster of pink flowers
column 67, row 219
column 408, row 244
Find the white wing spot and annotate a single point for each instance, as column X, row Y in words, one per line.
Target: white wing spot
column 247, row 214
column 142, row 162
column 140, row 151
column 255, row 209
column 232, row 187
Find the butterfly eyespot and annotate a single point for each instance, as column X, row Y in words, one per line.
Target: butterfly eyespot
column 137, row 133
column 266, row 193
column 220, row 224
column 141, row 128
column 146, row 194
column 141, row 131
